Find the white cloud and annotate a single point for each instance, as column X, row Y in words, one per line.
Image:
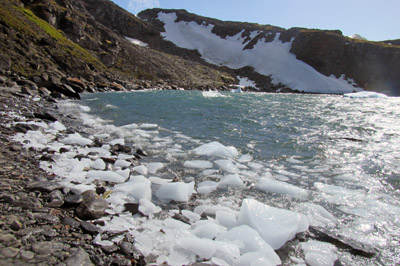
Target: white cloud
column 135, row 6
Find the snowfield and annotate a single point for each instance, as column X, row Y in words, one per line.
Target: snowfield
column 268, row 58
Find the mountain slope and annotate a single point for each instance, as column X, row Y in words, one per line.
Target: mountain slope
column 86, row 39
column 302, row 59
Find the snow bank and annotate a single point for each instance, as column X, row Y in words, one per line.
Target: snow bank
column 267, row 58
column 276, row 226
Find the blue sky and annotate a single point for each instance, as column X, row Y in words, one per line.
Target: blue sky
column 373, row 19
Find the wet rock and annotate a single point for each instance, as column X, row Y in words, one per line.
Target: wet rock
column 79, row 257
column 118, row 148
column 48, row 247
column 27, row 203
column 141, row 152
column 92, row 206
column 9, row 252
column 45, row 116
column 132, row 207
column 90, row 228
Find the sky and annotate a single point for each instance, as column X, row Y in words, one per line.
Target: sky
column 376, row 20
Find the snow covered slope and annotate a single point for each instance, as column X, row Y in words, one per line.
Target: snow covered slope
column 267, row 58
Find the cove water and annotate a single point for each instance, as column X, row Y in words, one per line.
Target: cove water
column 335, row 159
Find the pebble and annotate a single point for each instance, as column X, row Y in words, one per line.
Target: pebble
column 79, row 257
column 48, row 247
column 90, row 228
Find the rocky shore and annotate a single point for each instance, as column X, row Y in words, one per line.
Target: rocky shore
column 42, row 222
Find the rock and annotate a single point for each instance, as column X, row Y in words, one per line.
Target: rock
column 9, row 252
column 73, row 199
column 26, row 255
column 46, row 218
column 121, row 261
column 27, row 203
column 141, row 152
column 46, row 157
column 110, row 249
column 45, row 116
column 55, row 199
column 92, row 206
column 48, row 247
column 132, row 207
column 76, row 84
column 118, row 148
column 16, row 225
column 45, row 186
column 71, row 222
column 79, row 257
column 90, row 228
column 7, row 239
column 126, row 248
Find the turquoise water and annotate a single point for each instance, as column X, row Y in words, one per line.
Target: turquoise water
column 350, row 145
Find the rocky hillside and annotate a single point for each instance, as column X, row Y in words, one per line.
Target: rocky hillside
column 105, row 47
column 363, row 64
column 50, row 40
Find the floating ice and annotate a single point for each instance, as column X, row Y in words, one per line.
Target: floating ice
column 365, row 94
column 279, row 187
column 230, row 180
column 76, row 139
column 198, row 164
column 206, row 187
column 148, row 126
column 319, row 253
column 276, row 226
column 216, row 149
column 249, row 240
column 154, row 167
column 245, row 158
column 105, row 176
column 227, row 166
column 141, row 169
column 122, row 163
column 175, row 191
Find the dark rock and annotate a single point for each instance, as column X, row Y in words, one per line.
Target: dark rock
column 92, row 206
column 79, row 257
column 48, row 247
column 45, row 186
column 71, row 222
column 27, row 203
column 110, row 249
column 121, row 261
column 63, row 150
column 46, row 218
column 16, row 225
column 44, row 91
column 126, row 248
column 118, row 148
column 23, row 128
column 45, row 116
column 55, row 199
column 90, row 228
column 132, row 207
column 141, row 152
column 73, row 199
column 46, row 157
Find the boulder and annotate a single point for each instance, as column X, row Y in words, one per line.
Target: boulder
column 92, row 206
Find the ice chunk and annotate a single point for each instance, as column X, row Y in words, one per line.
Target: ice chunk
column 276, row 226
column 227, row 166
column 175, row 224
column 206, row 187
column 136, row 189
column 279, row 187
column 193, row 217
column 208, row 230
column 148, row 126
column 122, row 163
column 125, row 173
column 245, row 158
column 147, row 207
column 98, row 164
column 154, row 167
column 117, row 141
column 319, row 253
column 204, row 248
column 255, row 166
column 365, row 94
column 226, row 218
column 141, row 169
column 317, row 215
column 216, row 149
column 175, row 191
column 198, row 164
column 105, row 176
column 130, row 126
column 230, row 180
column 57, row 126
column 254, row 259
column 249, row 240
column 76, row 139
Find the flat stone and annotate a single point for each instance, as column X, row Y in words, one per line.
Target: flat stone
column 79, row 257
column 110, row 249
column 73, row 199
column 26, row 255
column 47, row 218
column 9, row 252
column 45, row 186
column 27, row 203
column 55, row 199
column 7, row 239
column 71, row 222
column 48, row 247
column 90, row 228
